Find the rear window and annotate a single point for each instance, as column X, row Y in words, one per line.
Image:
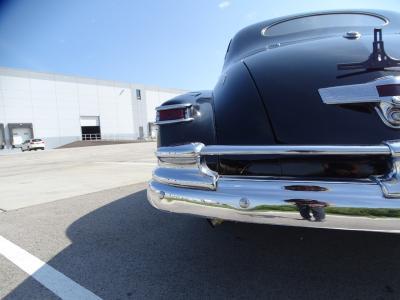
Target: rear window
column 323, row 22
column 36, row 140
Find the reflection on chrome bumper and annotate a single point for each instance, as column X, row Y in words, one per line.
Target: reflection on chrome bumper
column 183, row 184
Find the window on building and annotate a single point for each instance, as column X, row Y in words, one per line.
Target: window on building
column 138, row 94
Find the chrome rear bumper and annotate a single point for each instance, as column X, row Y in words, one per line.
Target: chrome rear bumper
column 183, row 183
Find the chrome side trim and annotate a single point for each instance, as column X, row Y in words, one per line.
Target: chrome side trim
column 188, row 113
column 386, row 106
column 296, row 150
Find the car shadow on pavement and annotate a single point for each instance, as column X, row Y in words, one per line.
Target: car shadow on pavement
column 127, row 249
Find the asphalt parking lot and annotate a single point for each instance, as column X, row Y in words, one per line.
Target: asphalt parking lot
column 112, row 244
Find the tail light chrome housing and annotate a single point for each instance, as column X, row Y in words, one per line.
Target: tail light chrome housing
column 175, row 113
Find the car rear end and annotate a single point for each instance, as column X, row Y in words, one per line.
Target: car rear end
column 295, row 140
column 36, row 144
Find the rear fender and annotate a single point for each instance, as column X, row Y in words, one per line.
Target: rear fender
column 200, row 129
column 241, row 117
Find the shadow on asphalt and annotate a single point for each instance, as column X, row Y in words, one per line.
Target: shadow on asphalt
column 127, row 249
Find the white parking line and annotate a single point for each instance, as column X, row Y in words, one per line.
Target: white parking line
column 58, row 283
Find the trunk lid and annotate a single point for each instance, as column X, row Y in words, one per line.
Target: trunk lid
column 288, row 78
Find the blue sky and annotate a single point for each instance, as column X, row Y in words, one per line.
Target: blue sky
column 169, row 43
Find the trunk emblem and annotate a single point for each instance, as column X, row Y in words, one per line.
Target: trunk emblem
column 396, row 100
column 384, row 92
column 378, row 59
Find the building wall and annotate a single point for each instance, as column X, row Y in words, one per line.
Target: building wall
column 54, row 104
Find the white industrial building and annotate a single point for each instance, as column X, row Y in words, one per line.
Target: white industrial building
column 62, row 109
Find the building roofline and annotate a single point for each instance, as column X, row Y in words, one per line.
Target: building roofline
column 80, row 79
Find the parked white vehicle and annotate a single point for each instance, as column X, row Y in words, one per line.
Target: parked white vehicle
column 33, row 144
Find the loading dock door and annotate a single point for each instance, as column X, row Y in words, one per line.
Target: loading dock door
column 90, row 127
column 2, row 137
column 20, row 135
column 141, row 133
column 153, row 129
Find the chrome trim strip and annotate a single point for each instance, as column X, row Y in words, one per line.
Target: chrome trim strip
column 173, row 106
column 296, row 150
column 173, row 121
column 292, row 179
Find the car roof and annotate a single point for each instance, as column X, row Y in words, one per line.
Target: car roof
column 250, row 40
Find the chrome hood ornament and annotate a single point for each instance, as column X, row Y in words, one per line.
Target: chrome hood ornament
column 384, row 91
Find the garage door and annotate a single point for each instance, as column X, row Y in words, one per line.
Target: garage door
column 90, row 126
column 2, row 142
column 90, row 121
column 20, row 135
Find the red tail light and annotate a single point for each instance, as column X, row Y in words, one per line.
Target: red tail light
column 388, row 90
column 171, row 114
column 174, row 113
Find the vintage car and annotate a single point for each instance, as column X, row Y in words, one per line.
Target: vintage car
column 302, row 128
